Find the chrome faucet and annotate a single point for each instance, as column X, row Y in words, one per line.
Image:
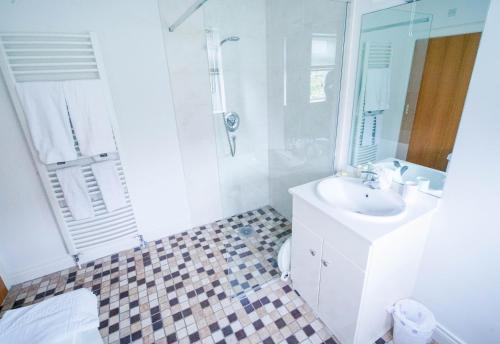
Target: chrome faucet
column 370, row 179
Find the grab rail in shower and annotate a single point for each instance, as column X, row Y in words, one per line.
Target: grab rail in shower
column 186, row 15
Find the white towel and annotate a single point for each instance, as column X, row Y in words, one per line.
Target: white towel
column 51, row 321
column 75, row 192
column 48, row 121
column 378, row 89
column 90, row 116
column 110, row 185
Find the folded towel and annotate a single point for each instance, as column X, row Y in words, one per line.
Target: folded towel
column 48, row 121
column 51, row 321
column 378, row 89
column 110, row 185
column 75, row 192
column 90, row 116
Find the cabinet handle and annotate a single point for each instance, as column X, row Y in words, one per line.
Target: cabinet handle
column 312, row 252
column 324, row 262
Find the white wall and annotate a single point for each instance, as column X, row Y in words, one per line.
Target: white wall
column 131, row 42
column 460, row 275
column 469, row 16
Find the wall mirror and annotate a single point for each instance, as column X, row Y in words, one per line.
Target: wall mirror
column 414, row 66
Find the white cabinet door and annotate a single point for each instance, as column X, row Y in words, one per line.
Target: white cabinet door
column 340, row 292
column 306, row 262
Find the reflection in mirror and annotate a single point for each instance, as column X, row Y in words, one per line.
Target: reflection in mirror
column 323, row 56
column 414, row 67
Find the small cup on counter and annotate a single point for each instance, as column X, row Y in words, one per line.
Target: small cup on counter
column 410, row 191
column 423, row 184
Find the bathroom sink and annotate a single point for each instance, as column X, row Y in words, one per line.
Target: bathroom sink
column 351, row 195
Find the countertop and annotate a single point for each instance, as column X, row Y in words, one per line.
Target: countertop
column 370, row 228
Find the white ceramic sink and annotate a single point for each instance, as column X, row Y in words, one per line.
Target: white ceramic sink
column 351, row 195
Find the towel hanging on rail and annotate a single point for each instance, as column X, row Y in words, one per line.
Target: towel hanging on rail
column 75, row 192
column 378, row 89
column 98, row 234
column 110, row 185
column 89, row 112
column 48, row 122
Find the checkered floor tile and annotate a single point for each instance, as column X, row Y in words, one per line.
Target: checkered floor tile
column 251, row 259
column 180, row 289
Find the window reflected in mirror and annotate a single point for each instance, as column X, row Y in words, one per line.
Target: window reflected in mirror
column 323, row 55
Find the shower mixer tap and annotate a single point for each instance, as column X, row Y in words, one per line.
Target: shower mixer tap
column 231, row 124
column 232, row 121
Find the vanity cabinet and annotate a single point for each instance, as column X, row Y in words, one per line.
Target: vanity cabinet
column 339, row 292
column 306, row 260
column 350, row 281
column 329, row 283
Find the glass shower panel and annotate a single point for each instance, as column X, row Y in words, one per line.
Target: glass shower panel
column 305, row 47
column 275, row 70
column 242, row 146
column 238, row 84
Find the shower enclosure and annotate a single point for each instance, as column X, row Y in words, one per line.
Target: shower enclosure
column 274, row 70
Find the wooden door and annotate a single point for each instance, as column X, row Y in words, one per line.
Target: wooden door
column 306, row 263
column 3, row 291
column 447, row 71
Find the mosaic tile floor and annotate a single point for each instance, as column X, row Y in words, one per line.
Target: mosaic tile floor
column 251, row 259
column 178, row 289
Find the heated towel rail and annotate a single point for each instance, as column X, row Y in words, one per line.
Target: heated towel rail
column 53, row 57
column 375, row 55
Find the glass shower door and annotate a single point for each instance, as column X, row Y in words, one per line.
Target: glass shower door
column 236, row 43
column 305, row 49
column 274, row 70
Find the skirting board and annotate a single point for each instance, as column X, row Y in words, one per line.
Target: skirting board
column 12, row 278
column 443, row 336
column 38, row 270
column 65, row 262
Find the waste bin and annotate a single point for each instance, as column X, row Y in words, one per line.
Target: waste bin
column 413, row 323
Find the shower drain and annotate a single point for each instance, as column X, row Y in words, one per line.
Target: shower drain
column 246, row 231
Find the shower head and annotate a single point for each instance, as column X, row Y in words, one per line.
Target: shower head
column 230, row 39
